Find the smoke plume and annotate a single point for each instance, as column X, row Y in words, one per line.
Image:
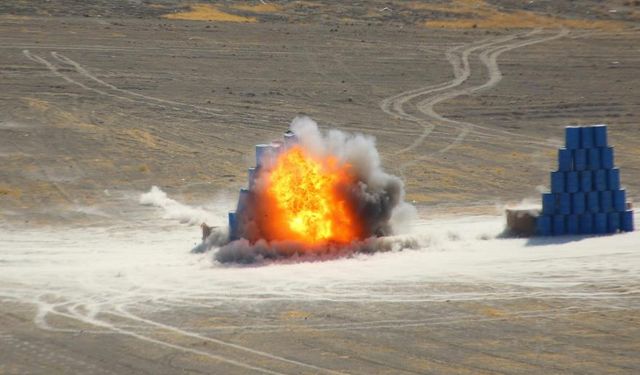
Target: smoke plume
column 378, row 195
column 375, row 197
column 174, row 209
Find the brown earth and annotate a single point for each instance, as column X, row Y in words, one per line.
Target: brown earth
column 99, row 102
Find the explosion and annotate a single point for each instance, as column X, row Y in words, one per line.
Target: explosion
column 308, row 201
column 314, row 192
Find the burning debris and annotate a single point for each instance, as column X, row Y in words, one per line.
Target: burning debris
column 313, row 192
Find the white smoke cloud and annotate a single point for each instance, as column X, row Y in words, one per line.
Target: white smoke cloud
column 401, row 217
column 176, row 210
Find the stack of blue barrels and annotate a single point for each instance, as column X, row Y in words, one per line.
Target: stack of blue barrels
column 265, row 155
column 585, row 197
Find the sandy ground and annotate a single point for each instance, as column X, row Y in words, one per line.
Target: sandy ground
column 101, row 102
column 464, row 301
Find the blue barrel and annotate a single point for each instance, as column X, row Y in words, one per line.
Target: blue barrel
column 580, row 159
column 613, row 179
column 626, row 224
column 613, row 222
column 572, row 224
column 263, row 152
column 572, row 137
column 564, row 203
column 573, row 182
column 578, row 203
column 565, row 162
column 600, row 223
column 548, row 203
column 543, row 225
column 593, row 201
column 557, row 182
column 559, row 227
column 243, row 200
column 606, row 157
column 586, row 185
column 233, row 226
column 586, row 137
column 593, row 158
column 600, row 135
column 251, row 177
column 606, row 201
column 600, row 179
column 586, row 224
column 619, row 200
column 290, row 139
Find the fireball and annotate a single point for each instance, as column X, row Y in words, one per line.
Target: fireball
column 307, row 199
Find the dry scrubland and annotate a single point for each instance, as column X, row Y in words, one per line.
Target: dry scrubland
column 103, row 101
column 467, row 99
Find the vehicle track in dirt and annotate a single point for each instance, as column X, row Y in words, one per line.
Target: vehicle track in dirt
column 428, row 97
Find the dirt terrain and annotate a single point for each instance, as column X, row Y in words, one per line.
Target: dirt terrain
column 95, row 108
column 467, row 101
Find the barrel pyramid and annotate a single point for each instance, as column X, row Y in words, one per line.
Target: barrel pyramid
column 586, row 196
column 266, row 155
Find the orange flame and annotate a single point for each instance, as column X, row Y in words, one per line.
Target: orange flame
column 307, row 200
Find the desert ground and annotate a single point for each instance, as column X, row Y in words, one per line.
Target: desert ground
column 467, row 101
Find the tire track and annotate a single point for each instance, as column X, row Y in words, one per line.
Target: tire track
column 125, row 332
column 88, row 316
column 395, row 105
column 449, row 95
column 86, row 313
column 121, row 312
column 56, row 71
column 84, row 72
column 489, row 60
column 112, row 91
